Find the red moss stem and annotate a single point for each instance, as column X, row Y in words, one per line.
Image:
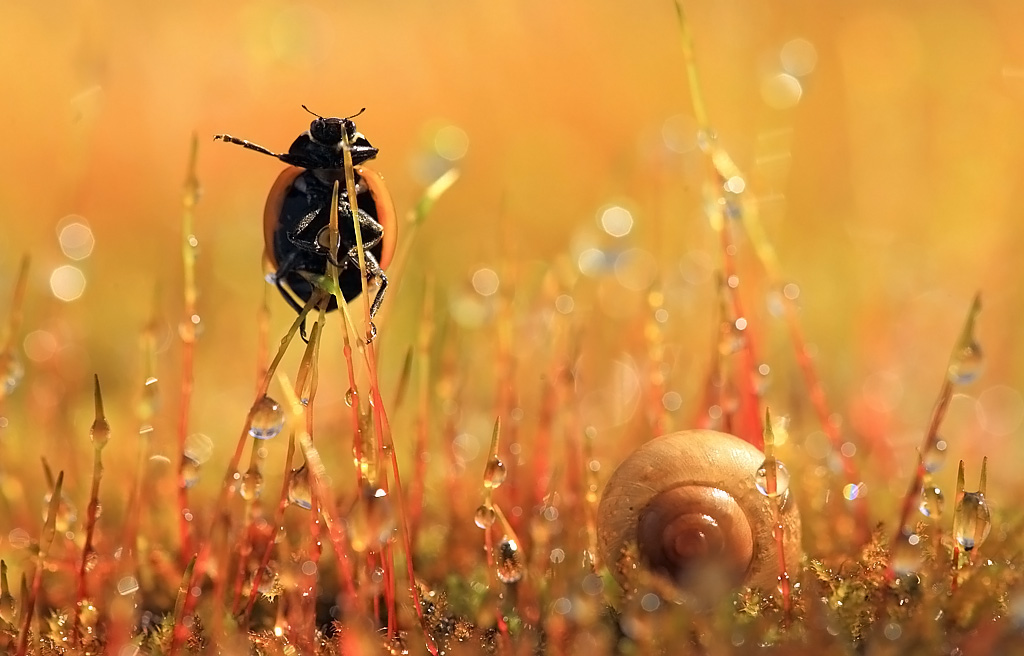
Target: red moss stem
column 749, row 426
column 819, row 401
column 42, row 552
column 99, row 441
column 931, row 436
column 180, row 632
column 778, row 532
column 268, row 549
column 229, row 485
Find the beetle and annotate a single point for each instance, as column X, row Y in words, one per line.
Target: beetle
column 296, row 217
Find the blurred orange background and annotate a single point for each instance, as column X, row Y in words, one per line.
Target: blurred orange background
column 883, row 142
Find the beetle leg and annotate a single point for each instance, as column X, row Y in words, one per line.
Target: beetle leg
column 287, row 158
column 379, row 298
column 245, row 144
column 371, row 230
column 373, row 270
column 278, row 278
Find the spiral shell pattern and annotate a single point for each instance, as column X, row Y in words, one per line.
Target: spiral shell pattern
column 689, row 503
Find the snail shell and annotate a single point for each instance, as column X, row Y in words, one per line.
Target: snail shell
column 687, row 500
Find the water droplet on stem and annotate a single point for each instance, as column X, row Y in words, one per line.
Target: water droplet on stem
column 300, row 492
column 967, row 364
column 932, row 501
column 485, row 517
column 973, row 521
column 494, row 473
column 906, row 553
column 508, row 560
column 935, row 456
column 761, row 477
column 67, row 515
column 252, row 484
column 267, row 420
column 189, row 471
column 12, row 373
column 372, row 520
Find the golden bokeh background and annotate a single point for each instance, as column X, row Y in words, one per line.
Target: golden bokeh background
column 882, row 140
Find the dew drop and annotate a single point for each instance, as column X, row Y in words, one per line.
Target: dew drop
column 267, row 420
column 973, row 521
column 508, row 560
column 732, row 341
column 935, row 457
column 494, row 473
column 484, row 517
column 149, row 399
column 189, row 330
column 351, row 397
column 100, row 433
column 781, row 477
column 706, row 139
column 906, row 554
column 372, row 520
column 269, row 582
column 252, row 484
column 189, row 471
column 13, row 373
column 91, row 560
column 300, row 492
column 966, row 364
column 67, row 515
column 932, row 501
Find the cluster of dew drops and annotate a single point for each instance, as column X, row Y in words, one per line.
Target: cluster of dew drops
column 508, row 561
column 268, row 420
column 972, row 516
column 371, row 520
column 972, row 519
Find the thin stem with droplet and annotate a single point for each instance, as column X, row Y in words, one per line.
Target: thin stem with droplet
column 100, row 433
column 318, row 475
column 228, row 486
column 42, row 552
column 931, row 436
column 775, row 499
column 180, row 631
column 310, row 354
column 188, row 338
column 424, row 344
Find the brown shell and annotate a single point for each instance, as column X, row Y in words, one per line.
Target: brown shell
column 687, row 500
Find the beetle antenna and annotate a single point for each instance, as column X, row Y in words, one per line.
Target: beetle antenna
column 311, row 111
column 349, row 118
